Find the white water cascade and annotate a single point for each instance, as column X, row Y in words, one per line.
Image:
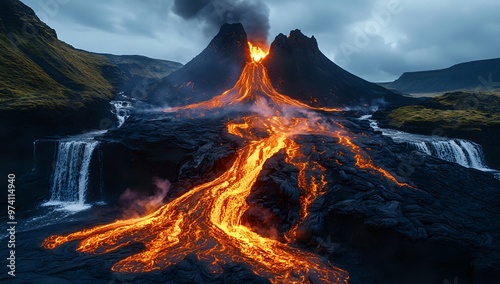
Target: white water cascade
column 122, row 110
column 71, row 174
column 72, row 170
column 463, row 152
column 73, row 158
column 460, row 151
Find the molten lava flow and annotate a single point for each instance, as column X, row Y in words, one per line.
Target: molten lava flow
column 206, row 220
column 366, row 163
column 312, row 185
column 252, row 90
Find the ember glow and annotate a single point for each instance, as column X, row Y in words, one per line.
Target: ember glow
column 207, row 219
column 257, row 53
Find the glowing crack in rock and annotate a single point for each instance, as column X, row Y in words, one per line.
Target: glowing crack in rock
column 206, row 220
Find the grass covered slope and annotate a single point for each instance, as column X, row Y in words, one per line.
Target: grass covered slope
column 468, row 115
column 38, row 70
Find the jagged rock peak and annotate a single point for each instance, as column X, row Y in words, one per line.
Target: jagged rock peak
column 296, row 40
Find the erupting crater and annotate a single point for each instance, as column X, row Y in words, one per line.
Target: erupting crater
column 207, row 219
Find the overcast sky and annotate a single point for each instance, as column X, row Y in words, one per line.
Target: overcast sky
column 377, row 40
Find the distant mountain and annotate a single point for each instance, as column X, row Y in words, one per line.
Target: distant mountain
column 300, row 70
column 296, row 67
column 214, row 70
column 140, row 74
column 475, row 75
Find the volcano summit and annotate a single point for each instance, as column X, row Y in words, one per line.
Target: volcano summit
column 295, row 65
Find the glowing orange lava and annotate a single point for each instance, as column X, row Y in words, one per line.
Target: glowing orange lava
column 252, row 90
column 206, row 220
column 257, row 53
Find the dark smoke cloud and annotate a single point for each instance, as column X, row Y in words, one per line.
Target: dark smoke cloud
column 253, row 14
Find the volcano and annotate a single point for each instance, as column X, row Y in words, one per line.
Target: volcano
column 295, row 67
column 268, row 176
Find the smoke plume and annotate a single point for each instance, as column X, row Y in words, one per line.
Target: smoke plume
column 136, row 205
column 252, row 14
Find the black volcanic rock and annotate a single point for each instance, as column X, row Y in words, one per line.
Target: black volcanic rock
column 476, row 75
column 298, row 68
column 210, row 73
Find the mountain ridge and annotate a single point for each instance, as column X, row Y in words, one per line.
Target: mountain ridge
column 477, row 75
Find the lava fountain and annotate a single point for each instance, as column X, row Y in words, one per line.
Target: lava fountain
column 207, row 219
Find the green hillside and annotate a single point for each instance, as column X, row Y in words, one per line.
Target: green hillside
column 38, row 70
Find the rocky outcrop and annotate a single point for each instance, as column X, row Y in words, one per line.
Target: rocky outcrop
column 441, row 225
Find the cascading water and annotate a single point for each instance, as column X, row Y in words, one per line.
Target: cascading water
column 71, row 174
column 73, row 158
column 463, row 152
column 122, row 110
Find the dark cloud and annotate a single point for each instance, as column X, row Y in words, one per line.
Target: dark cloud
column 253, row 14
column 416, row 35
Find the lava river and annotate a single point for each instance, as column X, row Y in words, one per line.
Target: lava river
column 207, row 219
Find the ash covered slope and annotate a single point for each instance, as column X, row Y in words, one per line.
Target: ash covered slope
column 300, row 70
column 214, row 70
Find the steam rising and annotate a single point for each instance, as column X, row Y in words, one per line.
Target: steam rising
column 135, row 205
column 252, row 14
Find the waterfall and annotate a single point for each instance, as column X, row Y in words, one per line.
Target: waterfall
column 71, row 174
column 463, row 152
column 70, row 178
column 460, row 151
column 122, row 111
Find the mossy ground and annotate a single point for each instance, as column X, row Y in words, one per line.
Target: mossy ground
column 466, row 110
